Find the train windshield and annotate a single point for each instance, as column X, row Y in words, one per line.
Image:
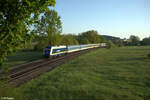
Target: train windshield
column 47, row 50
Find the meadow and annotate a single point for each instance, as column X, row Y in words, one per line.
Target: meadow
column 21, row 57
column 105, row 74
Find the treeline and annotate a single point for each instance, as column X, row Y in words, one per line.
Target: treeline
column 88, row 37
column 135, row 41
column 145, row 41
column 131, row 41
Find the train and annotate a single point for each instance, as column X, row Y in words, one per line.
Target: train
column 53, row 51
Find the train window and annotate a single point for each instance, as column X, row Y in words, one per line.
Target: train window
column 58, row 50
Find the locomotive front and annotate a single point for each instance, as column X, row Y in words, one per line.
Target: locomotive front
column 47, row 51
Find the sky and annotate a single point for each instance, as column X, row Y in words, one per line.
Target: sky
column 120, row 18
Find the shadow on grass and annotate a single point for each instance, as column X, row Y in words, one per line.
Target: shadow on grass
column 25, row 56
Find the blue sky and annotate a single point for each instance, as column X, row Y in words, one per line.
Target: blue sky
column 120, row 18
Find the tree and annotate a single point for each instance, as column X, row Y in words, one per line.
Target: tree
column 145, row 41
column 84, row 40
column 118, row 42
column 90, row 37
column 50, row 27
column 16, row 17
column 135, row 40
column 111, row 44
column 102, row 39
column 69, row 39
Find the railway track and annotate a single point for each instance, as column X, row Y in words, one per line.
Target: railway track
column 20, row 74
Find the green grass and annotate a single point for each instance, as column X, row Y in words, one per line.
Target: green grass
column 23, row 57
column 105, row 74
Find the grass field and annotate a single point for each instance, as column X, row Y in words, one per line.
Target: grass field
column 105, row 74
column 23, row 57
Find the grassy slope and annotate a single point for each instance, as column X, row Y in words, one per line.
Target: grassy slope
column 23, row 57
column 105, row 74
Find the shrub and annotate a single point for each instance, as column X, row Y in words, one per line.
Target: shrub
column 120, row 44
column 111, row 44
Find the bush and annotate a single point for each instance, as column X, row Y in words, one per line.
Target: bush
column 120, row 44
column 111, row 44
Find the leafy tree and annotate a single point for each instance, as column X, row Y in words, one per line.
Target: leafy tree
column 118, row 43
column 135, row 40
column 16, row 17
column 50, row 27
column 69, row 39
column 102, row 39
column 90, row 37
column 145, row 41
column 40, row 46
column 28, row 47
column 111, row 44
column 84, row 40
column 126, row 43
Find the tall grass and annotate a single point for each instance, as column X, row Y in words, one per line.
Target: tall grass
column 105, row 74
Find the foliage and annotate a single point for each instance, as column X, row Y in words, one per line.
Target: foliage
column 112, row 38
column 28, row 47
column 16, row 17
column 132, row 41
column 40, row 46
column 127, row 43
column 118, row 43
column 105, row 74
column 102, row 38
column 69, row 39
column 90, row 37
column 145, row 41
column 135, row 40
column 84, row 40
column 49, row 27
column 111, row 44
